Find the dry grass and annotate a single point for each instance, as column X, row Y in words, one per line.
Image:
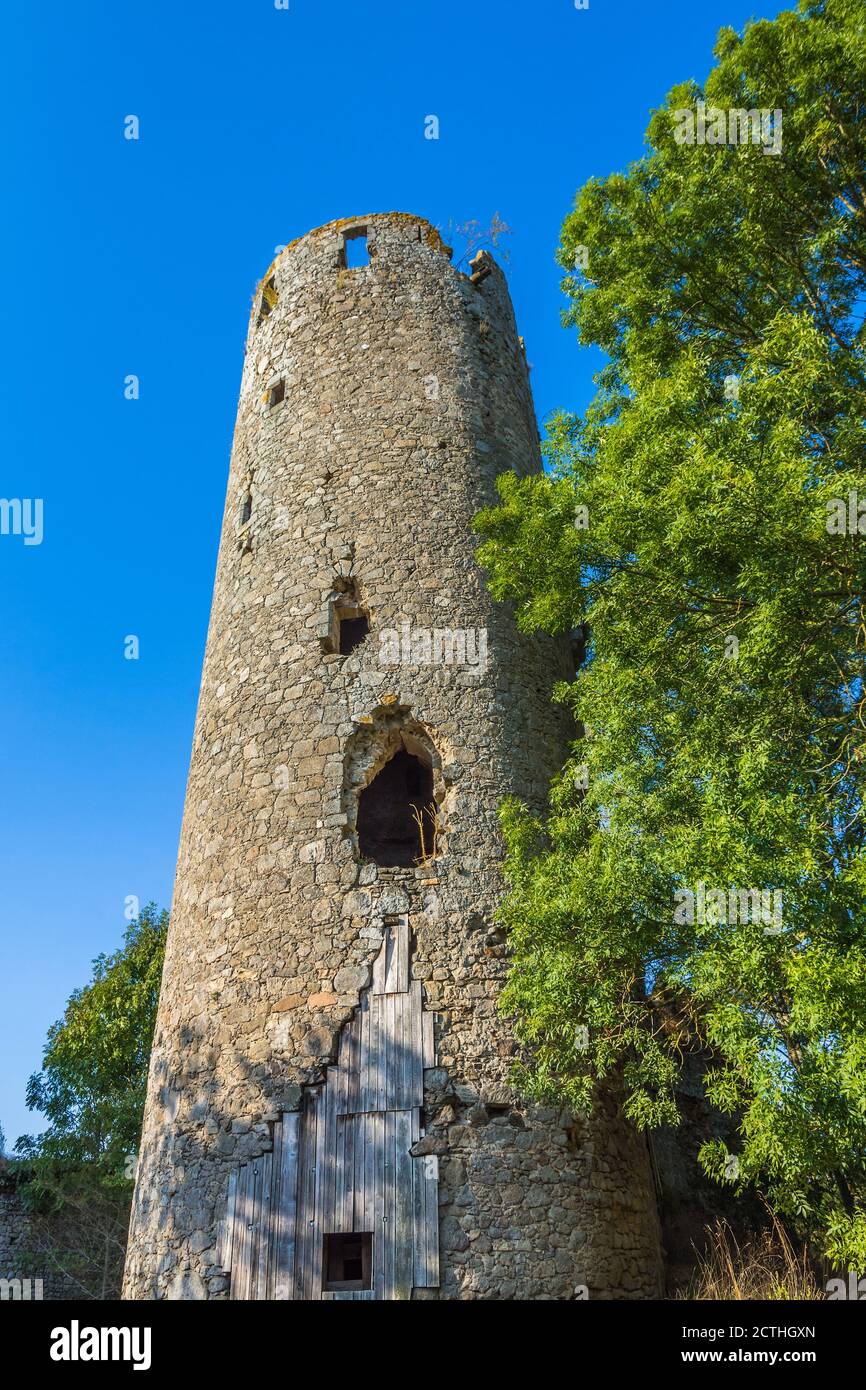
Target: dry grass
column 767, row 1267
column 426, row 855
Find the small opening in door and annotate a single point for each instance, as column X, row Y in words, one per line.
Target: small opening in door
column 348, row 1261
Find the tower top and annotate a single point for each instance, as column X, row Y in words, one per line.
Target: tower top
column 415, row 228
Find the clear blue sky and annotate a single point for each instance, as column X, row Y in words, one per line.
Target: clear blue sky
column 122, row 257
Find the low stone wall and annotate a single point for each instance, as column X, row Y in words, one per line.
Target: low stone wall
column 22, row 1276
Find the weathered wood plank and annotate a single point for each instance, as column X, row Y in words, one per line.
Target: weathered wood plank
column 256, row 1243
column 393, row 975
column 307, row 1193
column 390, row 1203
column 398, row 1061
column 415, row 1088
column 240, row 1271
column 364, row 1059
column 410, row 1059
column 339, row 1173
column 401, row 963
column 227, row 1231
column 353, row 1064
column 404, row 1246
column 237, row 1235
column 380, row 965
column 429, row 1044
column 395, row 1061
column 429, row 1273
column 382, row 1054
column 352, row 1141
column 377, row 1125
column 253, row 1193
column 286, row 1215
column 340, row 1079
column 384, row 1050
column 419, row 1226
column 276, row 1174
column 263, row 1227
column 366, row 1209
column 313, row 1281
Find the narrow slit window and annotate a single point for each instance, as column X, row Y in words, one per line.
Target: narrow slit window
column 277, row 393
column 356, row 252
column 348, row 1261
column 246, row 508
column 268, row 299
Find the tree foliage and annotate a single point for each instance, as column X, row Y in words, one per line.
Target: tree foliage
column 92, row 1083
column 722, row 696
column 76, row 1176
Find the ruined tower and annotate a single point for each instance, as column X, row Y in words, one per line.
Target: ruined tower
column 329, row 1112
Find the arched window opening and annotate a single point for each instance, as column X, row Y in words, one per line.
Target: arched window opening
column 397, row 815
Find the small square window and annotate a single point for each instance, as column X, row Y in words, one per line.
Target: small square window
column 356, row 252
column 348, row 1261
column 353, row 630
column 277, row 393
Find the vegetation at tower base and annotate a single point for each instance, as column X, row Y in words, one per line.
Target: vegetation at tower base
column 692, row 519
column 76, row 1177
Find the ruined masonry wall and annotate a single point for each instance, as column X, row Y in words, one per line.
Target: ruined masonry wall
column 15, row 1240
column 406, row 393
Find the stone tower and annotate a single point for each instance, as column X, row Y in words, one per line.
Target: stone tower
column 329, row 1112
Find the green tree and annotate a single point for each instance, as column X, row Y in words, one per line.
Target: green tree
column 76, row 1176
column 92, row 1083
column 692, row 519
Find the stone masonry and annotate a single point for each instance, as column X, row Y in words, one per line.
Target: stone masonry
column 378, row 404
column 24, row 1275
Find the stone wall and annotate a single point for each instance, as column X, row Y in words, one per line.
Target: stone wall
column 15, row 1262
column 377, row 407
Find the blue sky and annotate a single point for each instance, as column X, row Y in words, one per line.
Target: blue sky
column 120, row 257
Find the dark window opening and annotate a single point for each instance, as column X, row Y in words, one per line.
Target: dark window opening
column 349, row 623
column 579, row 640
column 268, row 299
column 277, row 393
column 247, row 509
column 356, row 252
column 348, row 1261
column 353, row 630
column 396, row 813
